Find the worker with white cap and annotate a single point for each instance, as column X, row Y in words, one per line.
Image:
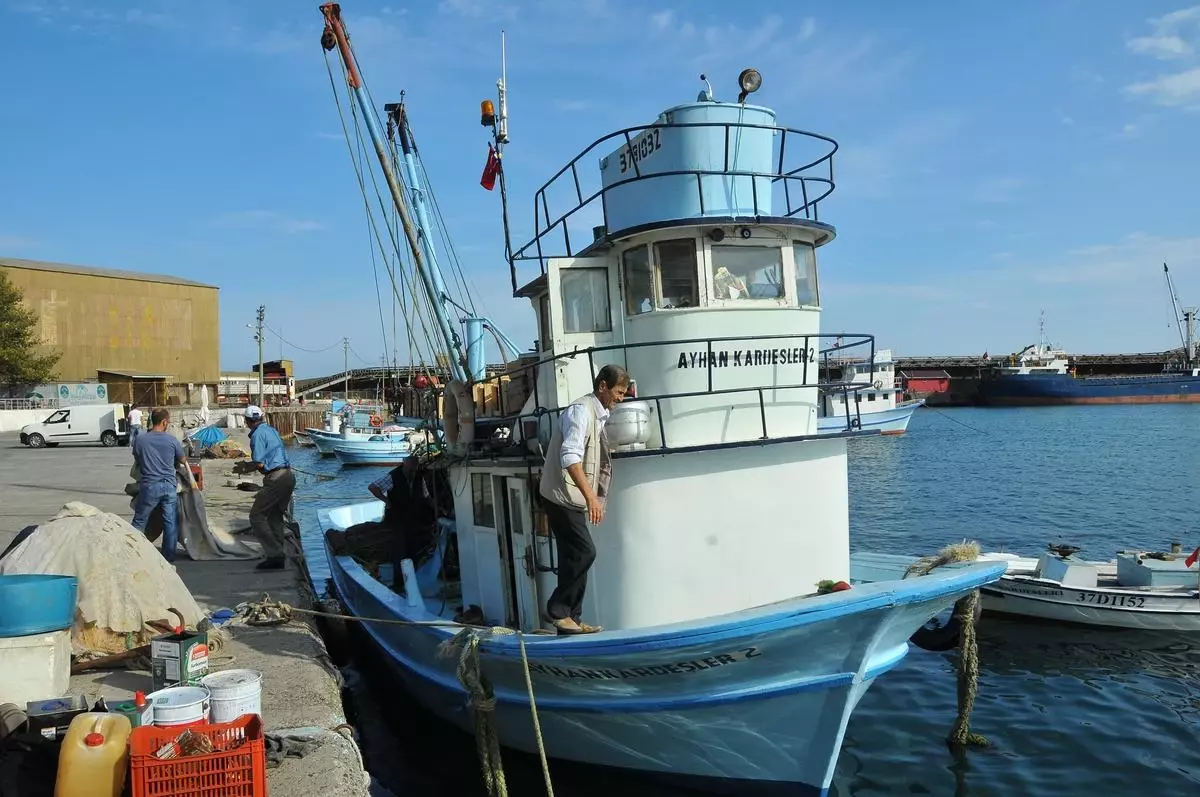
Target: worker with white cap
column 271, row 502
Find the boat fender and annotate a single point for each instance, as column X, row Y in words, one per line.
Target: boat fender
column 458, row 413
column 938, row 637
column 855, row 423
column 376, row 421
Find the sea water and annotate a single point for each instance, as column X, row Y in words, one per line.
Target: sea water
column 1069, row 711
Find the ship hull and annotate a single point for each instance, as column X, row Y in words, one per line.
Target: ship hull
column 1054, row 389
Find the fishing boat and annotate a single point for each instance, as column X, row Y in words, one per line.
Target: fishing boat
column 720, row 662
column 347, row 423
column 881, row 407
column 391, row 446
column 302, row 438
column 1149, row 590
column 1042, row 374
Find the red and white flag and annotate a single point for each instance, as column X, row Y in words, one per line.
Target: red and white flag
column 491, row 169
column 1191, row 560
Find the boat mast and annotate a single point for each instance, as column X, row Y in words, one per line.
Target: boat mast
column 334, row 35
column 1185, row 321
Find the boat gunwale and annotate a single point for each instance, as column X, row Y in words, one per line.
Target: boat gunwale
column 792, row 612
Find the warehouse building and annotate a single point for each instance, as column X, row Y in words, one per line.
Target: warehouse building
column 151, row 338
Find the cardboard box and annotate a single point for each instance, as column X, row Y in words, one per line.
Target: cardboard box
column 179, row 659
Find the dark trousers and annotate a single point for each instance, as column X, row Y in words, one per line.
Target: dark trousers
column 576, row 553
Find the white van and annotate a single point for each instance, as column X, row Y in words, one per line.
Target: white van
column 89, row 423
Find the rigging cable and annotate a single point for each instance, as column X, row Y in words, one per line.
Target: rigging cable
column 362, row 188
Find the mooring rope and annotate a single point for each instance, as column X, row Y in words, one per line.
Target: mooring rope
column 968, row 649
column 469, row 671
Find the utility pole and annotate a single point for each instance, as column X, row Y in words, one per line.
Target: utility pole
column 346, row 367
column 258, row 336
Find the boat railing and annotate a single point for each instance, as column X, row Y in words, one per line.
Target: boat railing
column 518, row 419
column 802, row 185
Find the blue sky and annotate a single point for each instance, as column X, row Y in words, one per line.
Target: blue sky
column 997, row 159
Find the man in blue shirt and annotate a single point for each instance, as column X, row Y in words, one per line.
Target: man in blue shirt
column 158, row 454
column 271, row 502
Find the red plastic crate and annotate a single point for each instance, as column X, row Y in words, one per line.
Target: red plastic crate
column 237, row 769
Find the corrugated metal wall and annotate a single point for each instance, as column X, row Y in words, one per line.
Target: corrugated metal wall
column 101, row 322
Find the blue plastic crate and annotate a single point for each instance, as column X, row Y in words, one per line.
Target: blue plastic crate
column 36, row 604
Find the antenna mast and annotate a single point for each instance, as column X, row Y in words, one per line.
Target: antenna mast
column 498, row 122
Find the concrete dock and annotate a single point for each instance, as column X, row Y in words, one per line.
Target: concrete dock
column 301, row 686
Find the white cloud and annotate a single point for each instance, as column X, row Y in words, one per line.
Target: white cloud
column 269, row 221
column 11, row 242
column 1178, row 90
column 1173, row 37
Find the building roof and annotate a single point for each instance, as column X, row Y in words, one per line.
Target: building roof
column 925, row 373
column 132, row 374
column 67, row 268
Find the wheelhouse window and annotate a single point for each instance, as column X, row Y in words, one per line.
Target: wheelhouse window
column 806, row 274
column 483, row 508
column 667, row 281
column 678, row 282
column 747, row 272
column 585, row 300
column 639, row 280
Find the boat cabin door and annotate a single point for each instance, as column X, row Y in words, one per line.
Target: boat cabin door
column 521, row 593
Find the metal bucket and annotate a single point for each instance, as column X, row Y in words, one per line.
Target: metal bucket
column 235, row 693
column 178, row 706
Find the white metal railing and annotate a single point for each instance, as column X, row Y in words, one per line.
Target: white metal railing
column 28, row 404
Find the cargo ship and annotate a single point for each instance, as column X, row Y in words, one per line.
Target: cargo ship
column 1043, row 374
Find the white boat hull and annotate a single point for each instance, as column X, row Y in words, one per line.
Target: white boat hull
column 325, row 440
column 1113, row 607
column 372, row 452
column 759, row 697
column 890, row 421
column 1019, row 593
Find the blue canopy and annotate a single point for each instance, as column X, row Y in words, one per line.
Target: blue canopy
column 208, row 436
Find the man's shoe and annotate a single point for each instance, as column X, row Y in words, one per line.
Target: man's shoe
column 272, row 563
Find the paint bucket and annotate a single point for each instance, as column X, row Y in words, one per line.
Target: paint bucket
column 180, row 706
column 235, row 693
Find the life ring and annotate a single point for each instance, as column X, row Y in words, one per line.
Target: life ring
column 855, row 423
column 878, row 384
column 458, row 413
column 376, row 421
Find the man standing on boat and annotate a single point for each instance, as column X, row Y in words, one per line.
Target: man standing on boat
column 575, row 481
column 271, row 502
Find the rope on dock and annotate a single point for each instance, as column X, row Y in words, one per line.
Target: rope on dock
column 965, row 609
column 482, row 700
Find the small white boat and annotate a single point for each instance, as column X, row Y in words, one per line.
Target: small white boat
column 346, row 422
column 386, row 448
column 1139, row 589
column 303, row 439
column 874, row 408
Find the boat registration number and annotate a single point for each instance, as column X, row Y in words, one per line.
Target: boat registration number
column 1105, row 599
column 640, row 148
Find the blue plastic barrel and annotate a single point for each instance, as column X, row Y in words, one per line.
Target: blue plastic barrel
column 36, row 603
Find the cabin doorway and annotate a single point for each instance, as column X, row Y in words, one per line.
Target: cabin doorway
column 522, row 607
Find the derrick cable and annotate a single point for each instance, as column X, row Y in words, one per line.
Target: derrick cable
column 374, row 110
column 388, row 223
column 363, row 189
column 410, row 284
column 301, row 348
column 371, row 248
column 452, row 254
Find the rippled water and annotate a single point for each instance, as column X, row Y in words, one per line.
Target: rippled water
column 1071, row 712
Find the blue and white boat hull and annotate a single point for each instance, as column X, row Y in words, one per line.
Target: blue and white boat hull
column 759, row 697
column 384, row 451
column 890, row 421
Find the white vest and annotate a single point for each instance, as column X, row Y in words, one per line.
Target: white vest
column 556, row 484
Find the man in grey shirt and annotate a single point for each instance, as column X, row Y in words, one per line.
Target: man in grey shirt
column 158, row 455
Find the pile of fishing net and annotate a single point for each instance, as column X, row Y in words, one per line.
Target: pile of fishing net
column 124, row 582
